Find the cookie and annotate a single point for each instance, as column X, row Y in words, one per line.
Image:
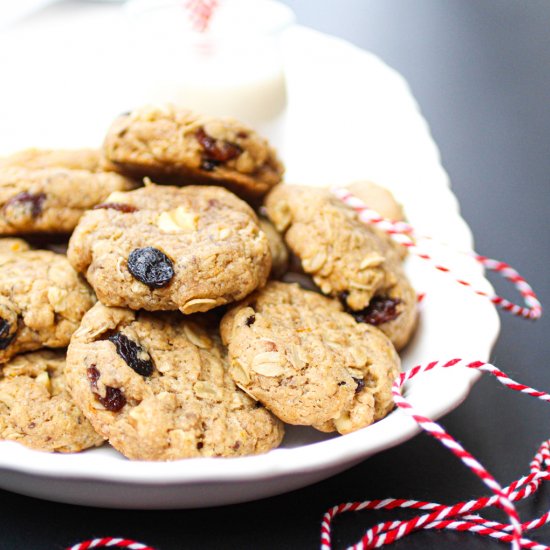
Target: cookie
column 347, row 259
column 177, row 146
column 277, row 248
column 36, row 159
column 36, row 408
column 42, row 301
column 165, row 248
column 157, row 387
column 378, row 198
column 52, row 199
column 307, row 361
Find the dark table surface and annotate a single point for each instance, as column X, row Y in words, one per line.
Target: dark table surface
column 480, row 70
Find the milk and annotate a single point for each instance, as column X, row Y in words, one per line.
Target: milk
column 233, row 69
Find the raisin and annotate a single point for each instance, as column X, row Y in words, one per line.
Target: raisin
column 114, row 399
column 250, row 320
column 151, row 266
column 380, row 310
column 31, row 202
column 200, row 445
column 228, row 151
column 216, row 149
column 5, row 336
column 121, row 207
column 341, row 383
column 360, row 384
column 92, row 374
column 133, row 354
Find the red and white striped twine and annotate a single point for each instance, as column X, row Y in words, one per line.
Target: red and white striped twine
column 402, row 233
column 110, row 542
column 200, row 13
column 458, row 517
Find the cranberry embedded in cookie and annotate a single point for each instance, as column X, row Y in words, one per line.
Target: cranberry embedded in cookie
column 157, row 386
column 346, row 259
column 177, row 146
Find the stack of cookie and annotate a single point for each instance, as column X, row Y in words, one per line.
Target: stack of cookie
column 193, row 347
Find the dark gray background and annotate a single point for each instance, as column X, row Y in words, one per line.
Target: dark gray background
column 480, row 70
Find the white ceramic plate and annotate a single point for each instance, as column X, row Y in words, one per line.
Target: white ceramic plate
column 349, row 117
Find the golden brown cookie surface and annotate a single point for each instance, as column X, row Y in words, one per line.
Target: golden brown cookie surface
column 36, row 159
column 157, row 386
column 183, row 147
column 164, row 248
column 42, row 301
column 346, row 259
column 37, row 410
column 378, row 198
column 309, row 362
column 277, row 247
column 52, row 199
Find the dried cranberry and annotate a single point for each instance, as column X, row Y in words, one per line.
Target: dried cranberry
column 32, row 202
column 5, row 336
column 381, row 309
column 92, row 374
column 250, row 320
column 133, row 354
column 217, row 150
column 114, row 399
column 208, row 143
column 151, row 266
column 360, row 384
column 121, row 207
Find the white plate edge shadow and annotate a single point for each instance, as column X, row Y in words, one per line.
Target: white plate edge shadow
column 287, row 461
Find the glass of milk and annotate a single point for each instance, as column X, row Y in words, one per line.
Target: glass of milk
column 234, row 68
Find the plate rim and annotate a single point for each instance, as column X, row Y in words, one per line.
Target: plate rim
column 266, row 466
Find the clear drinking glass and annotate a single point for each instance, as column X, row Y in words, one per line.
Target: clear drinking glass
column 234, row 68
